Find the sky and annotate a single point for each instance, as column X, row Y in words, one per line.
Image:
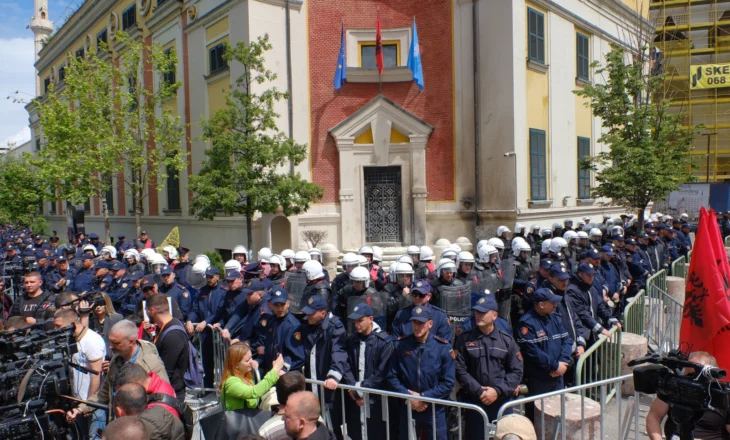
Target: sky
column 17, row 73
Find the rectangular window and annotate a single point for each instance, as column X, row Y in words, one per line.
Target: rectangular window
column 46, row 84
column 61, row 74
column 582, row 56
column 173, row 190
column 536, row 35
column 217, row 58
column 584, row 176
column 169, row 77
column 102, row 37
column 538, row 165
column 391, row 55
column 80, row 53
column 129, row 17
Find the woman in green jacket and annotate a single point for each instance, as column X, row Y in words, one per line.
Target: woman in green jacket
column 237, row 388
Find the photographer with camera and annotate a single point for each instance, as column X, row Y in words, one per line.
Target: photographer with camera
column 714, row 424
column 35, row 305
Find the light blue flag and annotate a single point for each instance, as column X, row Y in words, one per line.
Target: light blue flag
column 414, row 58
column 341, row 72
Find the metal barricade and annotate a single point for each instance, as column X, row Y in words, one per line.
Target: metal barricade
column 342, row 389
column 635, row 314
column 626, row 414
column 601, row 361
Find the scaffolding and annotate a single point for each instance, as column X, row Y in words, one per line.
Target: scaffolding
column 696, row 32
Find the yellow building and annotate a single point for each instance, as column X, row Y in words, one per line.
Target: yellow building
column 690, row 34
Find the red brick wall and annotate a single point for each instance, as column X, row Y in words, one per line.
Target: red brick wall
column 434, row 105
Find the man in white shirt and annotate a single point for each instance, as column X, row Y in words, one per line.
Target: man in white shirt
column 91, row 351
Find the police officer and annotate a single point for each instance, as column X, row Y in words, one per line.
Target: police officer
column 82, row 282
column 545, row 345
column 62, row 276
column 422, row 365
column 420, row 297
column 369, row 352
column 318, row 348
column 244, row 324
column 488, row 366
column 134, row 294
column 277, row 328
column 176, row 291
column 120, row 284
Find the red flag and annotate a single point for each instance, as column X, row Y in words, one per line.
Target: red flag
column 379, row 47
column 706, row 318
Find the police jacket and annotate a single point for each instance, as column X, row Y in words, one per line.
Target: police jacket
column 369, row 358
column 569, row 315
column 245, row 323
column 276, row 332
column 209, row 300
column 402, row 323
column 321, row 288
column 428, row 368
column 544, row 342
column 588, row 303
column 178, row 292
column 487, row 360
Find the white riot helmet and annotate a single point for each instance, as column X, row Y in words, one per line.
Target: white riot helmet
column 426, row 253
column 264, row 254
column 595, row 232
column 92, row 248
column 350, row 260
column 360, row 274
column 288, row 254
column 411, row 250
column 377, row 254
column 148, row 253
column 496, row 242
column 111, row 250
column 534, row 229
column 516, row 240
column 465, row 257
column 557, row 244
column 570, row 235
column 313, row 270
column 131, row 253
column 519, row 247
column 171, row 252
column 196, row 276
column 301, row 257
column 454, row 247
column 201, row 257
column 315, row 254
column 445, row 264
column 545, row 248
column 405, row 259
column 501, row 230
column 278, row 260
column 519, row 228
column 583, row 234
column 232, row 265
column 365, row 250
column 362, row 260
column 240, row 249
column 556, row 226
column 449, row 254
column 485, row 252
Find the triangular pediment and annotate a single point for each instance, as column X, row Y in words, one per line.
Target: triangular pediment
column 381, row 108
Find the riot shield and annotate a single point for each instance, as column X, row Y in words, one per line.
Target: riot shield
column 378, row 301
column 508, row 273
column 456, row 302
column 295, row 284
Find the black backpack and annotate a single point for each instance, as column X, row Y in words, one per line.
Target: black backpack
column 183, row 409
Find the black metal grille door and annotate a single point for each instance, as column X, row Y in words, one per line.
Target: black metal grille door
column 383, row 210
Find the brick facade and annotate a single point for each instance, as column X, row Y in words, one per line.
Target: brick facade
column 435, row 104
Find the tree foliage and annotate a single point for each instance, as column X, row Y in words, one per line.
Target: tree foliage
column 647, row 153
column 101, row 121
column 242, row 172
column 21, row 193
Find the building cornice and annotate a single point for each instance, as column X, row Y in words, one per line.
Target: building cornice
column 75, row 27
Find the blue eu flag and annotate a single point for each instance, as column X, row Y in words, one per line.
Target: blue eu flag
column 341, row 72
column 414, row 58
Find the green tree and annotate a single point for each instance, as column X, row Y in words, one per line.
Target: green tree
column 21, row 193
column 114, row 125
column 242, row 170
column 648, row 150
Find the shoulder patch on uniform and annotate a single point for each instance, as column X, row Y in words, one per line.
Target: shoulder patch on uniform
column 441, row 340
column 524, row 331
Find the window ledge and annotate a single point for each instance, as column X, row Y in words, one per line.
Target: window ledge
column 393, row 74
column 585, row 202
column 172, row 212
column 580, row 82
column 537, row 66
column 217, row 76
column 539, row 203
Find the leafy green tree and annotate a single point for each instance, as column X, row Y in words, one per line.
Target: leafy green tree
column 242, row 170
column 21, row 192
column 648, row 150
column 114, row 125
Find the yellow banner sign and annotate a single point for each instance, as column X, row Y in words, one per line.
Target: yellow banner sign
column 709, row 76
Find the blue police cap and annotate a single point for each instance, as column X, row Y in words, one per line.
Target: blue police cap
column 255, row 286
column 212, row 271
column 559, row 271
column 117, row 265
column 541, row 295
column 361, row 310
column 278, row 295
column 421, row 314
column 607, row 249
column 232, row 275
column 167, row 270
column 587, row 268
column 136, row 275
column 421, row 286
column 314, row 304
column 545, row 263
column 486, row 303
column 93, row 236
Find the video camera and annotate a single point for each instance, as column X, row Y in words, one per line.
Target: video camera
column 688, row 395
